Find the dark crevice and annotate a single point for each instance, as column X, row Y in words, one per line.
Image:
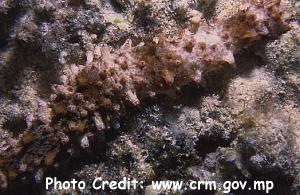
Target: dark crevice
column 16, row 125
column 118, row 6
column 209, row 144
column 44, row 16
column 7, row 19
column 246, row 62
column 76, row 3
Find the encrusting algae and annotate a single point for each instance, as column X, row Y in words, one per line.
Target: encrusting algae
column 131, row 73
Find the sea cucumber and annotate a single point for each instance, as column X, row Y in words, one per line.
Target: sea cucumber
column 171, row 62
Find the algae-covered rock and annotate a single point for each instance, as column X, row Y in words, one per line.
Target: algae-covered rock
column 153, row 90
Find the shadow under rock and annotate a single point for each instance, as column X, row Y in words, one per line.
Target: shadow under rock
column 246, row 62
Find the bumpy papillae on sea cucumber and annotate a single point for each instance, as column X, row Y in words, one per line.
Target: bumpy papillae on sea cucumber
column 130, row 73
column 170, row 62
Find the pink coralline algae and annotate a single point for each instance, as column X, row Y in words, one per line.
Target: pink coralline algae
column 131, row 73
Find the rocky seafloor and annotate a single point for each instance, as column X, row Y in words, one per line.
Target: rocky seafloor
column 232, row 114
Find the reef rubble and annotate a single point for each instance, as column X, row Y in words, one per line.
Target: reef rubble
column 141, row 89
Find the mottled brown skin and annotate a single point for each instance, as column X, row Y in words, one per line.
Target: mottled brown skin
column 169, row 63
